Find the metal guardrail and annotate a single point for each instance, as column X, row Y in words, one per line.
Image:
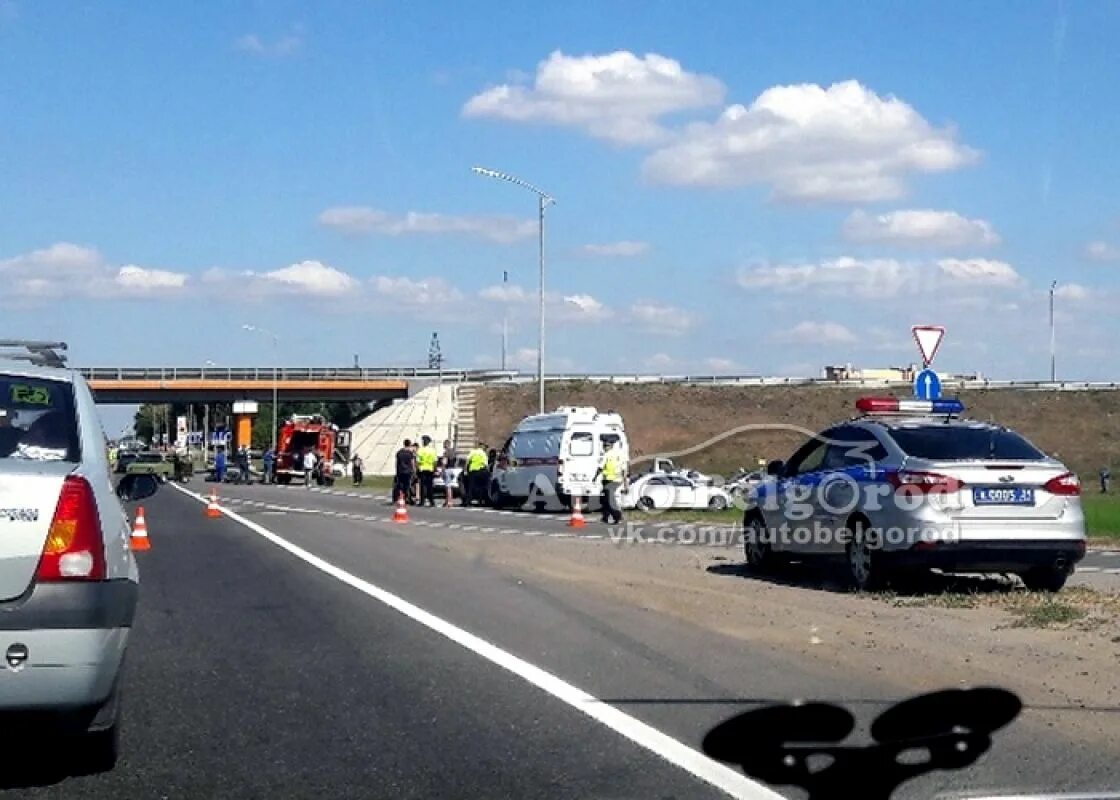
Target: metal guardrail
column 266, row 374
column 342, row 374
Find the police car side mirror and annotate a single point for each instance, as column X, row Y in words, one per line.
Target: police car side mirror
column 137, row 486
column 776, row 467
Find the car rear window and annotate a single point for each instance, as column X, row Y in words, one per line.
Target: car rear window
column 37, row 420
column 956, row 443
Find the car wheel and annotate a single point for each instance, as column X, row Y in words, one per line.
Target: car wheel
column 865, row 570
column 645, row 503
column 496, row 497
column 717, row 503
column 1044, row 579
column 757, row 547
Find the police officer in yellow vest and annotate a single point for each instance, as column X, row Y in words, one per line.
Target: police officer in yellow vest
column 613, row 471
column 426, row 458
column 477, row 463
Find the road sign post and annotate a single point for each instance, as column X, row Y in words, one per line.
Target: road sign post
column 929, row 339
column 927, row 385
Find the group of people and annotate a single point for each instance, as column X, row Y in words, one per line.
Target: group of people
column 241, row 460
column 417, row 464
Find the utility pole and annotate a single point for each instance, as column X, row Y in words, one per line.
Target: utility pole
column 505, row 321
column 1053, row 350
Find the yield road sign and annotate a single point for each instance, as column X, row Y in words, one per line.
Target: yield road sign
column 927, row 386
column 928, row 338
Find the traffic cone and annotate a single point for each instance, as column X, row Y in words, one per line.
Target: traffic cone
column 576, row 520
column 400, row 513
column 140, row 539
column 212, row 510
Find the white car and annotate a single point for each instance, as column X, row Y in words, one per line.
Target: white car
column 659, row 492
column 68, row 579
column 450, row 476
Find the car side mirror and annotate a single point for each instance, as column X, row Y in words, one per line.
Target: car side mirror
column 776, row 468
column 137, row 486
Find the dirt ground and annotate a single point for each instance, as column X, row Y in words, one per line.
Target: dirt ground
column 915, row 644
column 1081, row 428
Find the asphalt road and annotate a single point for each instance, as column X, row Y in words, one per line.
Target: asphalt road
column 254, row 673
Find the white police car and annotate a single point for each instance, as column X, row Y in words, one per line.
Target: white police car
column 909, row 485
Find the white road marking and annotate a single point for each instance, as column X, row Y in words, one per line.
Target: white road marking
column 661, row 744
column 533, row 533
column 1089, row 569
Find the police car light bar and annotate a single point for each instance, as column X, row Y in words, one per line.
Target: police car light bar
column 892, row 405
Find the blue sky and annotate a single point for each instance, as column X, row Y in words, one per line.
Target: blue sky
column 757, row 188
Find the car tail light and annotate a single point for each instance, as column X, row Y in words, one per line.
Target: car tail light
column 559, row 466
column 1066, row 485
column 924, row 482
column 74, row 549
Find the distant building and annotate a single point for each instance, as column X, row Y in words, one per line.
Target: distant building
column 847, row 372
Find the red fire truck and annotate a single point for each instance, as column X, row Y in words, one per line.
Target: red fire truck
column 302, row 433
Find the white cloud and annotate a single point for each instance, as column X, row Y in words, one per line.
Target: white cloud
column 843, row 143
column 566, row 308
column 919, row 228
column 428, row 292
column 1102, row 251
column 313, row 277
column 623, row 249
column 587, row 304
column 879, row 277
column 980, row 271
column 723, row 365
column 655, row 317
column 1072, row 291
column 525, row 359
column 660, row 361
column 281, row 47
column 142, row 280
column 65, row 270
column 362, row 220
column 509, row 293
column 809, row 332
column 618, row 96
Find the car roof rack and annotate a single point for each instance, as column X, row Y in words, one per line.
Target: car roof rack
column 43, row 354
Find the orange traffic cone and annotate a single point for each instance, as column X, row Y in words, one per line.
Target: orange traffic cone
column 400, row 513
column 212, row 510
column 140, row 539
column 576, row 520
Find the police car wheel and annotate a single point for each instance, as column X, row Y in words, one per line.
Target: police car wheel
column 756, row 547
column 1044, row 579
column 645, row 503
column 864, row 567
column 717, row 503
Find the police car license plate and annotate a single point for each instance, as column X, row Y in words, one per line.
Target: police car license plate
column 1003, row 496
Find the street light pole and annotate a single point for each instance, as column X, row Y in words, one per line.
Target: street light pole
column 275, row 375
column 505, row 323
column 544, row 199
column 1053, row 350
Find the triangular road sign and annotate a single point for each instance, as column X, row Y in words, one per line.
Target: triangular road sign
column 928, row 338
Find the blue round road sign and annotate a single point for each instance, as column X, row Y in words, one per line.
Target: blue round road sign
column 927, row 386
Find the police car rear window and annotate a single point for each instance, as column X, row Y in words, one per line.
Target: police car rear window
column 957, row 443
column 37, row 421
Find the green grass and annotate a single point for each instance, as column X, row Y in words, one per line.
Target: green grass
column 1043, row 611
column 725, row 517
column 1102, row 515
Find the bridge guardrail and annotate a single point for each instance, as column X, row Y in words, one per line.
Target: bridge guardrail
column 265, row 374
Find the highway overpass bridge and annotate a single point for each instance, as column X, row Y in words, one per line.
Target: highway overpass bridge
column 223, row 384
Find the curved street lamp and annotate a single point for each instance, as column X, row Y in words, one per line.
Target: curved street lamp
column 544, row 199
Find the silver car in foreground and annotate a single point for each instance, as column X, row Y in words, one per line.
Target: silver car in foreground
column 68, row 579
column 901, row 490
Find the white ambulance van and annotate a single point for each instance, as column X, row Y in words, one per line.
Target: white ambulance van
column 551, row 457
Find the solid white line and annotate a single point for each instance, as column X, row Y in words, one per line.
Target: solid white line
column 1089, row 569
column 675, row 752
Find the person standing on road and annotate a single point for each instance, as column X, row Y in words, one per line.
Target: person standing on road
column 356, row 467
column 309, row 462
column 243, row 464
column 612, row 470
column 448, row 463
column 269, row 460
column 414, row 482
column 402, row 479
column 220, row 465
column 426, row 465
column 476, row 475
